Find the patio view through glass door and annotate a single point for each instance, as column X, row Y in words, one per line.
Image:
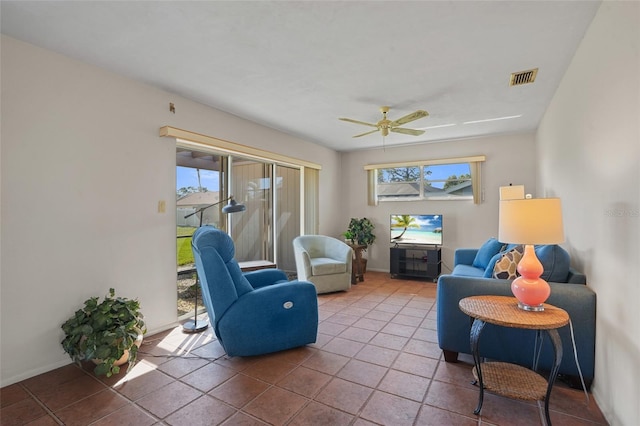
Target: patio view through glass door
column 199, row 182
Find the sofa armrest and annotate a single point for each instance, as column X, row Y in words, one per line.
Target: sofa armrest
column 576, row 277
column 453, row 325
column 464, row 256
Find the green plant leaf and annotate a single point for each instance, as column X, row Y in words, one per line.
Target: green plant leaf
column 102, row 352
column 102, row 369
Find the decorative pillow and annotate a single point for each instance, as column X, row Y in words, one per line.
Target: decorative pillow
column 506, row 267
column 488, row 271
column 555, row 261
column 489, row 249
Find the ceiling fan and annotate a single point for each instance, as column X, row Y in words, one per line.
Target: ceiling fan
column 385, row 125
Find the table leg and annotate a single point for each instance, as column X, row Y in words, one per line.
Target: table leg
column 356, row 269
column 557, row 349
column 476, row 330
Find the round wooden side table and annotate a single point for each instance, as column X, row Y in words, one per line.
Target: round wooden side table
column 506, row 379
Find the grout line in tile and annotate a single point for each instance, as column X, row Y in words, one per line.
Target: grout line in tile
column 41, row 404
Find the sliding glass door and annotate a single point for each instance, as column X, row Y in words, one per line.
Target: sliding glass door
column 271, row 193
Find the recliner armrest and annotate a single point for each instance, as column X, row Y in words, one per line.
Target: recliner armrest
column 265, row 277
column 301, row 293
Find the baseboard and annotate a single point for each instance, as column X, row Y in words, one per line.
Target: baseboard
column 36, row 371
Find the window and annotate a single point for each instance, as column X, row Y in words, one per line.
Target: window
column 450, row 179
column 399, row 183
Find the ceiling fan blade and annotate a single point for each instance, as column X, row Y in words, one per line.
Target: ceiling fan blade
column 410, row 117
column 367, row 133
column 407, row 131
column 358, row 122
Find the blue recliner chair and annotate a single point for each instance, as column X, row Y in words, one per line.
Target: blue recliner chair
column 256, row 312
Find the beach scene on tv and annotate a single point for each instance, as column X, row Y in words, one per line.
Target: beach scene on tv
column 416, row 229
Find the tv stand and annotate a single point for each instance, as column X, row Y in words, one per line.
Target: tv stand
column 422, row 262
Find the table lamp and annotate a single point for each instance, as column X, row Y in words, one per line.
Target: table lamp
column 530, row 221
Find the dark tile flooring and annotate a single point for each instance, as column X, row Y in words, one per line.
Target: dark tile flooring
column 376, row 361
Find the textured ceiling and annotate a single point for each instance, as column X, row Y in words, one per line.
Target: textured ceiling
column 297, row 66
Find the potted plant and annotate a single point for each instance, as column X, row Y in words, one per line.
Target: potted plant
column 361, row 231
column 108, row 333
column 348, row 236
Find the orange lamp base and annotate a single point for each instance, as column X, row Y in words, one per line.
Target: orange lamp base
column 530, row 290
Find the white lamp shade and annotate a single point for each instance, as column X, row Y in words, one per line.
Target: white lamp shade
column 531, row 221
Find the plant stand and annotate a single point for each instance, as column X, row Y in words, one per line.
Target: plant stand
column 357, row 267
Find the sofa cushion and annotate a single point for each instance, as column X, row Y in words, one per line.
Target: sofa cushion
column 506, row 267
column 489, row 249
column 555, row 261
column 327, row 266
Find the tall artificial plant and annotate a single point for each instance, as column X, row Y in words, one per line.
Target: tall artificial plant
column 361, row 231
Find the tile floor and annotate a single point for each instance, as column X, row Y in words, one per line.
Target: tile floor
column 376, row 361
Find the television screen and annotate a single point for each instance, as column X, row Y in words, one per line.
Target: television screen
column 416, row 229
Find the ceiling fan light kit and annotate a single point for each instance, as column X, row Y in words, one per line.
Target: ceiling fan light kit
column 385, row 125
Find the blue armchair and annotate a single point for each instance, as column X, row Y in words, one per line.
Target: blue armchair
column 256, row 312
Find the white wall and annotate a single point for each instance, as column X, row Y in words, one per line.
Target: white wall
column 589, row 155
column 510, row 159
column 82, row 172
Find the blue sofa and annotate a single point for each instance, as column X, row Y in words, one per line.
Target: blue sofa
column 516, row 345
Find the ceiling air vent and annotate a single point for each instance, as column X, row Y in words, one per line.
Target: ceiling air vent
column 523, row 77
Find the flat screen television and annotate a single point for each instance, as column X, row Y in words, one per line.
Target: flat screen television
column 416, row 229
